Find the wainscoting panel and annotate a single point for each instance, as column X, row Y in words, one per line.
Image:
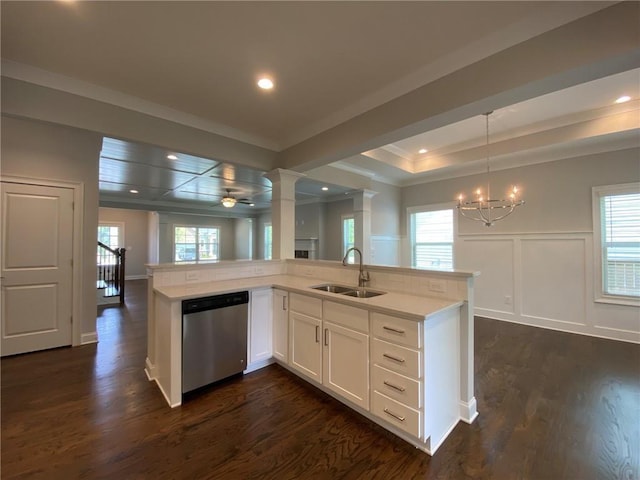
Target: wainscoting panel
column 544, row 280
column 553, row 279
column 494, row 259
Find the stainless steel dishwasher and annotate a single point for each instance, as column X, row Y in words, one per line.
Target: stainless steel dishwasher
column 214, row 338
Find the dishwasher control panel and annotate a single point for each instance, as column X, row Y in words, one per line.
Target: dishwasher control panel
column 214, row 302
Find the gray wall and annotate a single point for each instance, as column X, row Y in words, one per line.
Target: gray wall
column 245, row 239
column 557, row 194
column 136, row 235
column 385, row 209
column 263, row 218
column 168, row 220
column 537, row 267
column 333, row 227
column 46, row 151
column 310, row 223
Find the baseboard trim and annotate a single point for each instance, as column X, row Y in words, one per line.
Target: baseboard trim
column 149, row 369
column 166, row 397
column 468, row 410
column 561, row 326
column 135, row 277
column 258, row 365
column 88, row 338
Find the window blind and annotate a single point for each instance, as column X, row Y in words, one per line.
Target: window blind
column 433, row 239
column 620, row 226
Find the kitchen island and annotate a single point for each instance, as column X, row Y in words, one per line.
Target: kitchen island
column 403, row 359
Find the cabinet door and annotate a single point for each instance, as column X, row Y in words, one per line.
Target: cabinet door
column 260, row 326
column 305, row 349
column 280, row 325
column 346, row 363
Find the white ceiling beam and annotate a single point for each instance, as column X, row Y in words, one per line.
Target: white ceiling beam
column 592, row 47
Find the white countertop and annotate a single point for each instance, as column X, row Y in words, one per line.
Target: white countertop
column 408, row 306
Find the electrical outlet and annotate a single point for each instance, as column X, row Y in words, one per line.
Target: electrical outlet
column 259, row 271
column 437, row 286
column 193, row 276
column 507, row 299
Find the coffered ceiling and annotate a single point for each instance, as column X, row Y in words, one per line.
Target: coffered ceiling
column 154, row 178
column 197, row 63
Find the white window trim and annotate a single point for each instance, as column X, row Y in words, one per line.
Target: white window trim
column 344, row 217
column 597, row 194
column 264, row 241
column 173, row 242
column 120, row 226
column 431, row 208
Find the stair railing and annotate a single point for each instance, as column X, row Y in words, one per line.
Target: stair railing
column 111, row 269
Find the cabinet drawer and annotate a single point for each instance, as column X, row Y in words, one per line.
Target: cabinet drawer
column 397, row 330
column 350, row 317
column 397, row 414
column 396, row 358
column 307, row 305
column 396, row 386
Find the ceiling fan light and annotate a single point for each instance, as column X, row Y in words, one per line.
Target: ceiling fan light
column 228, row 202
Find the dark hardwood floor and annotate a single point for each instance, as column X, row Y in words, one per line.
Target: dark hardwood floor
column 552, row 406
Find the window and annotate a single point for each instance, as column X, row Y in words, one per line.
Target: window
column 268, row 241
column 432, row 233
column 348, row 237
column 111, row 235
column 616, row 211
column 194, row 244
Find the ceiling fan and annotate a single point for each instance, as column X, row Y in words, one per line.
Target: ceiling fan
column 229, row 201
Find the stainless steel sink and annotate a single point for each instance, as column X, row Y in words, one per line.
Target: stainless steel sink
column 349, row 291
column 360, row 293
column 329, row 287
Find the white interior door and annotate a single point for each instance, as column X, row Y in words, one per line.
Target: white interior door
column 37, row 273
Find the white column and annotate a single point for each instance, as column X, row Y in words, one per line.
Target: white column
column 468, row 405
column 362, row 222
column 283, row 211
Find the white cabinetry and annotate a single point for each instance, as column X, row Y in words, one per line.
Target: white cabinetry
column 415, row 375
column 305, row 332
column 396, row 372
column 329, row 343
column 280, row 325
column 259, row 349
column 346, row 352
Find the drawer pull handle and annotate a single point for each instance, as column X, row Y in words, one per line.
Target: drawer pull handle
column 391, row 357
column 395, row 387
column 317, row 328
column 394, row 330
column 397, row 417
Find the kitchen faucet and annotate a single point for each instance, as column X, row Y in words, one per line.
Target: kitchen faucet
column 364, row 275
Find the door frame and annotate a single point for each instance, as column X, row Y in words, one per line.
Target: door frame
column 78, row 244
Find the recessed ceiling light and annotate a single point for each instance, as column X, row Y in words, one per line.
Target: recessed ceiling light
column 324, row 189
column 423, row 150
column 252, row 204
column 172, row 157
column 133, row 191
column 265, row 83
column 622, row 99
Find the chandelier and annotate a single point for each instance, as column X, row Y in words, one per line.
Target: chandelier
column 483, row 208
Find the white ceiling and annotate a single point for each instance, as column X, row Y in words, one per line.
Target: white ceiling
column 197, row 63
